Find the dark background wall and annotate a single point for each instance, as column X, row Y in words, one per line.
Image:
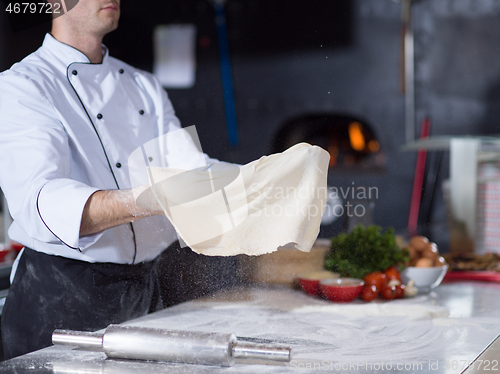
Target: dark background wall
column 338, row 56
column 458, row 70
column 346, row 62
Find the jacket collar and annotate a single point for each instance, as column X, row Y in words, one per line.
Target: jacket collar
column 68, row 54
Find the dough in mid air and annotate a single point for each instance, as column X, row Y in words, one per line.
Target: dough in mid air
column 226, row 210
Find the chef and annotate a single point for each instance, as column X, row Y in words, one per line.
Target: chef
column 70, row 116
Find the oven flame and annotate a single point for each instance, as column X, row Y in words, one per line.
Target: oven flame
column 356, row 136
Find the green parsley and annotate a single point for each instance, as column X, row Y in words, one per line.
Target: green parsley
column 363, row 251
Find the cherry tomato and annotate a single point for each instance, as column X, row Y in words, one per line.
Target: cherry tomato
column 377, row 279
column 389, row 292
column 369, row 293
column 400, row 291
column 392, row 273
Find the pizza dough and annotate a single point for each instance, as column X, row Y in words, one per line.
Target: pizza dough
column 225, row 209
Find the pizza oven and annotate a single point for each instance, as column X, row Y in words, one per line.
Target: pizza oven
column 350, row 140
column 355, row 152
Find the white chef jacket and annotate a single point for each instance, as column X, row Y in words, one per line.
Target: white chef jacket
column 65, row 123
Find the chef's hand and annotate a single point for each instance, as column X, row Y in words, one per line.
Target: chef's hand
column 110, row 208
column 147, row 199
column 176, row 187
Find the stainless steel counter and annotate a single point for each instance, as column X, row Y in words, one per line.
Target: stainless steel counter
column 436, row 333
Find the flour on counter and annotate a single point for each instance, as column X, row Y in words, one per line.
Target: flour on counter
column 411, row 311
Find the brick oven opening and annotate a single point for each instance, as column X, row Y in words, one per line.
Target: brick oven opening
column 351, row 142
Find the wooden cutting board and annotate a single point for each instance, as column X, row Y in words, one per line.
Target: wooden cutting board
column 283, row 266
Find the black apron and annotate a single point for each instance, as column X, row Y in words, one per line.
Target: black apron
column 52, row 292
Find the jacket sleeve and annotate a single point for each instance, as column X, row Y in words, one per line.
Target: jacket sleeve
column 35, row 165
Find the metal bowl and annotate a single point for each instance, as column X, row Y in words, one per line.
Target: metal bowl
column 426, row 279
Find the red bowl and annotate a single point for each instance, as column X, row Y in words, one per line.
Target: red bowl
column 309, row 282
column 342, row 289
column 309, row 286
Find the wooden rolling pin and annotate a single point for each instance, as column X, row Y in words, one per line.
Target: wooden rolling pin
column 142, row 343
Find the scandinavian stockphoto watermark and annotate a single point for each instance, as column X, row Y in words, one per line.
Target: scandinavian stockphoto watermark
column 24, row 15
column 356, row 203
column 365, row 365
column 351, row 201
column 428, row 366
column 191, row 192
